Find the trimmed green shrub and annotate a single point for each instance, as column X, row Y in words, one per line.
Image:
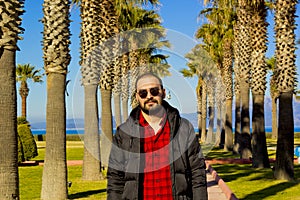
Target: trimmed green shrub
column 22, row 120
column 27, row 147
column 20, row 151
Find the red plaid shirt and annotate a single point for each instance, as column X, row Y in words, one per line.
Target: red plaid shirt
column 157, row 174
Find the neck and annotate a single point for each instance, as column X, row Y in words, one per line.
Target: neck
column 152, row 119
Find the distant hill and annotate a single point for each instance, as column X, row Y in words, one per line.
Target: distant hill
column 192, row 117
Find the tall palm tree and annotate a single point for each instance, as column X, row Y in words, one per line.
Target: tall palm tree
column 222, row 16
column 211, row 93
column 244, row 19
column 109, row 58
column 212, row 34
column 286, row 79
column 56, row 40
column 199, row 64
column 258, row 84
column 24, row 73
column 274, row 95
column 90, row 40
column 11, row 10
column 237, row 125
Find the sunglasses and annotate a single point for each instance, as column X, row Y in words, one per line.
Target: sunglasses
column 153, row 91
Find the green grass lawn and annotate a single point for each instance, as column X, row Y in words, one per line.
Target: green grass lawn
column 243, row 180
column 249, row 183
column 31, row 182
column 31, row 177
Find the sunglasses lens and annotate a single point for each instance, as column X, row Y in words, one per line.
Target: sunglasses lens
column 143, row 93
column 154, row 91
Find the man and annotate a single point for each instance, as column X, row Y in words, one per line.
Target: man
column 155, row 154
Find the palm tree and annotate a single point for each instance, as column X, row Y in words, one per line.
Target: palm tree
column 109, row 57
column 274, row 95
column 199, row 64
column 90, row 39
column 237, row 125
column 211, row 93
column 56, row 40
column 218, row 34
column 222, row 16
column 243, row 140
column 9, row 35
column 258, row 84
column 285, row 78
column 24, row 73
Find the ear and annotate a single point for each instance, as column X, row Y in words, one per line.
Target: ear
column 164, row 93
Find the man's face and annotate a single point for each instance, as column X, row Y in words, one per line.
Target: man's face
column 149, row 93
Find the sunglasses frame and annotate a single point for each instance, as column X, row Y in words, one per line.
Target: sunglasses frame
column 155, row 91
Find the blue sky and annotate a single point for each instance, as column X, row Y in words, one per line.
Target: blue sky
column 180, row 18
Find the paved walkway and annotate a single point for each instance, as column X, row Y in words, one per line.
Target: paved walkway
column 216, row 187
column 214, row 190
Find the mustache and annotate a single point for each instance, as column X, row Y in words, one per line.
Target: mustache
column 151, row 101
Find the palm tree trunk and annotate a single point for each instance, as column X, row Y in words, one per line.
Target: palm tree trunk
column 274, row 119
column 24, row 106
column 9, row 176
column 211, row 114
column 91, row 169
column 125, row 109
column 125, row 81
column 260, row 157
column 228, row 126
column 54, row 183
column 237, row 125
column 199, row 106
column 204, row 113
column 117, row 105
column 106, row 124
column 245, row 138
column 24, row 93
column 284, row 165
column 219, row 124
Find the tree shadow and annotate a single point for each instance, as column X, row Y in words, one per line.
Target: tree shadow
column 270, row 191
column 86, row 193
column 233, row 172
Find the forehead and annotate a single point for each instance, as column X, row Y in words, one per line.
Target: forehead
column 147, row 82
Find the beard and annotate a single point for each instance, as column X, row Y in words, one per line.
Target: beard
column 153, row 110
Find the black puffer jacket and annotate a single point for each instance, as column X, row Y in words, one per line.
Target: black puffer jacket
column 186, row 161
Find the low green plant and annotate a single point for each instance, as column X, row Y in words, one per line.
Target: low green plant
column 27, row 142
column 27, row 148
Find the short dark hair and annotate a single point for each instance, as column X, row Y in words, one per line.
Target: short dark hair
column 149, row 74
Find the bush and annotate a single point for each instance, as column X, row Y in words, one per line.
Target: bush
column 20, row 151
column 27, row 148
column 22, row 120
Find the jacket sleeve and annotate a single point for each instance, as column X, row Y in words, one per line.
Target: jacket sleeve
column 197, row 167
column 115, row 173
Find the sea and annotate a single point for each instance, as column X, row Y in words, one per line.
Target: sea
column 81, row 131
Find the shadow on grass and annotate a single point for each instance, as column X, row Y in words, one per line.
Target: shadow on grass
column 219, row 153
column 86, row 194
column 270, row 191
column 231, row 172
